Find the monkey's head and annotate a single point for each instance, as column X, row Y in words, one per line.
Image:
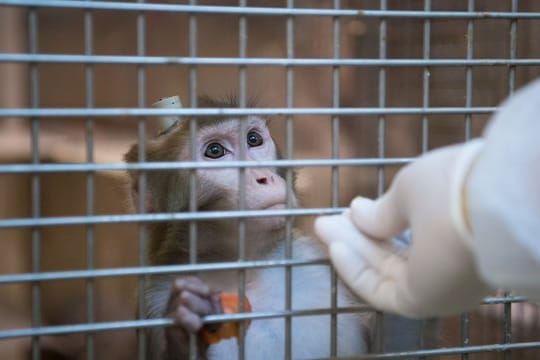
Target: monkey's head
column 217, row 189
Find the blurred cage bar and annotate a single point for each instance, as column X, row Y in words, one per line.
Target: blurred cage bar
column 356, row 89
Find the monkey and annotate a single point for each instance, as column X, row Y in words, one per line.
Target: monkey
column 188, row 298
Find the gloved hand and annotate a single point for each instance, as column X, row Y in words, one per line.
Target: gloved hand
column 436, row 275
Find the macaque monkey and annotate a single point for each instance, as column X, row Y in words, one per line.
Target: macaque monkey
column 187, row 299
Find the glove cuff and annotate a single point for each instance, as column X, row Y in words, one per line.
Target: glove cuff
column 459, row 213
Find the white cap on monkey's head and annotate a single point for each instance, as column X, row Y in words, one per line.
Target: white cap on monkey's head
column 172, row 102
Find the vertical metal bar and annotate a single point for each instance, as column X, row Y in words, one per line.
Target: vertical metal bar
column 141, row 127
column 468, row 71
column 193, row 135
column 336, row 22
column 193, row 128
column 381, row 134
column 90, row 184
column 465, row 317
column 465, row 339
column 507, row 354
column 289, row 139
column 425, row 126
column 242, row 102
column 513, row 49
column 511, row 89
column 35, row 181
column 426, row 76
column 382, row 99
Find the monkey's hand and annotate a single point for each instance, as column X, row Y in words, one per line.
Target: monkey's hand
column 437, row 274
column 190, row 300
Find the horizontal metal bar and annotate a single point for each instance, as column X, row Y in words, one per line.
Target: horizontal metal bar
column 186, row 165
column 134, row 112
column 186, row 269
column 189, row 268
column 504, row 299
column 154, row 270
column 284, row 313
column 268, row 11
column 87, row 328
column 446, row 351
column 192, row 9
column 233, row 61
column 148, row 323
column 160, row 217
column 389, row 14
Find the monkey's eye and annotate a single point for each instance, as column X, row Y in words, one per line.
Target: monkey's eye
column 214, row 151
column 254, row 139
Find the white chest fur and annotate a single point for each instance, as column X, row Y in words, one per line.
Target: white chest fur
column 310, row 335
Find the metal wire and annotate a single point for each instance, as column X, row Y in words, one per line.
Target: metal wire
column 242, row 82
column 335, row 126
column 141, row 324
column 36, row 181
column 426, row 75
column 53, row 168
column 465, row 318
column 141, row 183
column 159, row 217
column 381, row 149
column 193, row 126
column 283, row 62
column 134, row 112
column 289, row 136
column 507, row 330
column 90, row 182
column 153, row 270
column 425, row 78
column 239, row 10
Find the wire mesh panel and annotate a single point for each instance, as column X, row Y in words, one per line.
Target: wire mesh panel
column 353, row 90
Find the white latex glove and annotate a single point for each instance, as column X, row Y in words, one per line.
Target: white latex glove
column 504, row 196
column 436, row 275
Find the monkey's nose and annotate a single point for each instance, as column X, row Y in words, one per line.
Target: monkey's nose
column 262, row 180
column 265, row 180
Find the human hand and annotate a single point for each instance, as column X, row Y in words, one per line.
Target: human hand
column 437, row 274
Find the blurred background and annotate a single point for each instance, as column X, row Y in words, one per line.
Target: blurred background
column 62, row 140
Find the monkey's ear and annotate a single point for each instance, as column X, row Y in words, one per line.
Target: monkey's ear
column 149, row 199
column 132, row 156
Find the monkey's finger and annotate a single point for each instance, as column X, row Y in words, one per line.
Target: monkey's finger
column 217, row 308
column 215, row 299
column 380, row 219
column 187, row 319
column 378, row 289
column 192, row 284
column 195, row 303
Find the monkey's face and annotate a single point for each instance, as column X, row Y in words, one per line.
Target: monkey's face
column 221, row 189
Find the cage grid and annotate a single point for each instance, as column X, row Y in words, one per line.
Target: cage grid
column 25, row 132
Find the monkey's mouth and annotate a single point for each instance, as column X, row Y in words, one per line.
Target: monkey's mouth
column 268, row 221
column 278, row 206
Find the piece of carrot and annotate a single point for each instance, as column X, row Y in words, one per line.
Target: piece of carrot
column 230, row 303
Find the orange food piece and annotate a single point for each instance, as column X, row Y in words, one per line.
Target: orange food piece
column 230, row 303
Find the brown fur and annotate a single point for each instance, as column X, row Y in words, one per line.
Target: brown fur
column 168, row 191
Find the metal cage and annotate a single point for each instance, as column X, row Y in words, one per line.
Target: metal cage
column 356, row 90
